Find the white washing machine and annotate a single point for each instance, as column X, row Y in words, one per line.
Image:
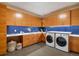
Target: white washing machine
column 61, row 41
column 50, row 39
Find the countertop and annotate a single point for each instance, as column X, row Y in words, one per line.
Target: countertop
column 9, row 35
column 60, row 32
column 73, row 35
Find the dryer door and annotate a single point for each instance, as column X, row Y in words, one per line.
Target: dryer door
column 61, row 41
column 49, row 39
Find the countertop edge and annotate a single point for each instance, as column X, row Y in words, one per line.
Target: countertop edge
column 73, row 35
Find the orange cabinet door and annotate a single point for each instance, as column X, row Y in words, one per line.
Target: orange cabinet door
column 3, row 44
column 37, row 38
column 57, row 18
column 2, row 26
column 31, row 39
column 64, row 18
column 34, row 38
column 51, row 20
column 26, row 40
column 43, row 37
column 18, row 22
column 10, row 17
column 74, row 44
column 75, row 16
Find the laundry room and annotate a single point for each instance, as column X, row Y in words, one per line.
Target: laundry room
column 39, row 28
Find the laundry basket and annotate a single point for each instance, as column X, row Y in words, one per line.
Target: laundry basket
column 19, row 46
column 11, row 46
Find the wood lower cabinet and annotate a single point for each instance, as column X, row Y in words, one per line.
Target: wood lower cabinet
column 38, row 38
column 3, row 45
column 43, row 37
column 74, row 44
column 31, row 39
column 26, row 40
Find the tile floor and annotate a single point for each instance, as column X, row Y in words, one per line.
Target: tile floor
column 40, row 49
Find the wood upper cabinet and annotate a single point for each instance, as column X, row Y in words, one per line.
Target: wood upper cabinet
column 74, row 44
column 10, row 17
column 13, row 18
column 2, row 12
column 3, row 45
column 75, row 16
column 57, row 18
column 64, row 18
column 29, row 20
column 51, row 20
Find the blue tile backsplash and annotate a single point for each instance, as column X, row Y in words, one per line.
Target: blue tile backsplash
column 25, row 29
column 73, row 29
column 18, row 29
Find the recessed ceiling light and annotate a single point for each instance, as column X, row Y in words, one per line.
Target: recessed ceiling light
column 18, row 15
column 62, row 16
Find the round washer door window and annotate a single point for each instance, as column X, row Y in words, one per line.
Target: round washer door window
column 61, row 41
column 49, row 39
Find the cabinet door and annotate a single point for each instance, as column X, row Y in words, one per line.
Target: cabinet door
column 3, row 36
column 57, row 18
column 43, row 37
column 10, row 17
column 37, row 38
column 26, row 40
column 74, row 44
column 2, row 26
column 3, row 44
column 31, row 39
column 75, row 16
column 19, row 22
column 64, row 18
column 51, row 20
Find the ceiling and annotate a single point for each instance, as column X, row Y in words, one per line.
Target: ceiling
column 41, row 8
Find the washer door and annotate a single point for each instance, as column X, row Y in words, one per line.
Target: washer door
column 61, row 41
column 49, row 39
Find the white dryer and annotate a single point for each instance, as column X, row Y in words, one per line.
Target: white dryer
column 50, row 39
column 62, row 41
